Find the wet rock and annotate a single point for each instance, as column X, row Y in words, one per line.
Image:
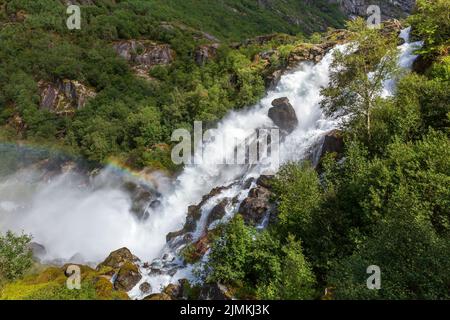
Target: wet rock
column 194, row 214
column 272, row 80
column 248, row 183
column 308, row 52
column 193, row 252
column 219, row 211
column 333, row 143
column 283, row 114
column 145, row 287
column 127, row 277
column 254, row 208
column 155, row 204
column 265, row 181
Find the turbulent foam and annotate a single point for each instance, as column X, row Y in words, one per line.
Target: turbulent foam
column 69, row 219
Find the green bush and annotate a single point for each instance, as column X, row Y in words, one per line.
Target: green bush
column 15, row 256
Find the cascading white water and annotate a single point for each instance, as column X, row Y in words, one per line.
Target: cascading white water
column 302, row 87
column 69, row 220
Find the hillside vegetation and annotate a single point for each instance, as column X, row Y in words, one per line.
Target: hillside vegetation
column 129, row 115
column 383, row 201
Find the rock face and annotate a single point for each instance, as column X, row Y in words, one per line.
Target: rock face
column 64, row 96
column 283, row 115
column 255, row 207
column 333, row 142
column 219, row 211
column 206, row 52
column 272, row 79
column 308, row 52
column 194, row 215
column 144, row 54
column 124, row 269
column 389, row 9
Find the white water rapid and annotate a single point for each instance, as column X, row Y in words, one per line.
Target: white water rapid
column 68, row 220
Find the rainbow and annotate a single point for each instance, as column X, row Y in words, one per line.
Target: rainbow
column 145, row 176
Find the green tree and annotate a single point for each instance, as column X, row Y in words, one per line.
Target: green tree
column 296, row 280
column 15, row 256
column 431, row 23
column 298, row 194
column 228, row 260
column 358, row 74
column 414, row 262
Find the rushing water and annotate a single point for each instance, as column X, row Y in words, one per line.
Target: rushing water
column 68, row 219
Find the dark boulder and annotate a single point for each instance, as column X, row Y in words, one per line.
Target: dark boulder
column 219, row 211
column 145, row 287
column 272, row 80
column 254, row 208
column 195, row 213
column 283, row 114
column 333, row 143
column 265, row 181
column 141, row 196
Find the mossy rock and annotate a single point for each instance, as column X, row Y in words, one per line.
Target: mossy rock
column 127, row 277
column 117, row 259
column 158, row 296
column 50, row 284
column 105, row 290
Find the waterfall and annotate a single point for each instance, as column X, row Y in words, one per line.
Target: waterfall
column 70, row 220
column 302, row 87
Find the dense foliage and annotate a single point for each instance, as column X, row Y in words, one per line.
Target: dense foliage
column 15, row 256
column 385, row 201
column 130, row 117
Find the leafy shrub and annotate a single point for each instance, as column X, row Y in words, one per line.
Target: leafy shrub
column 15, row 256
